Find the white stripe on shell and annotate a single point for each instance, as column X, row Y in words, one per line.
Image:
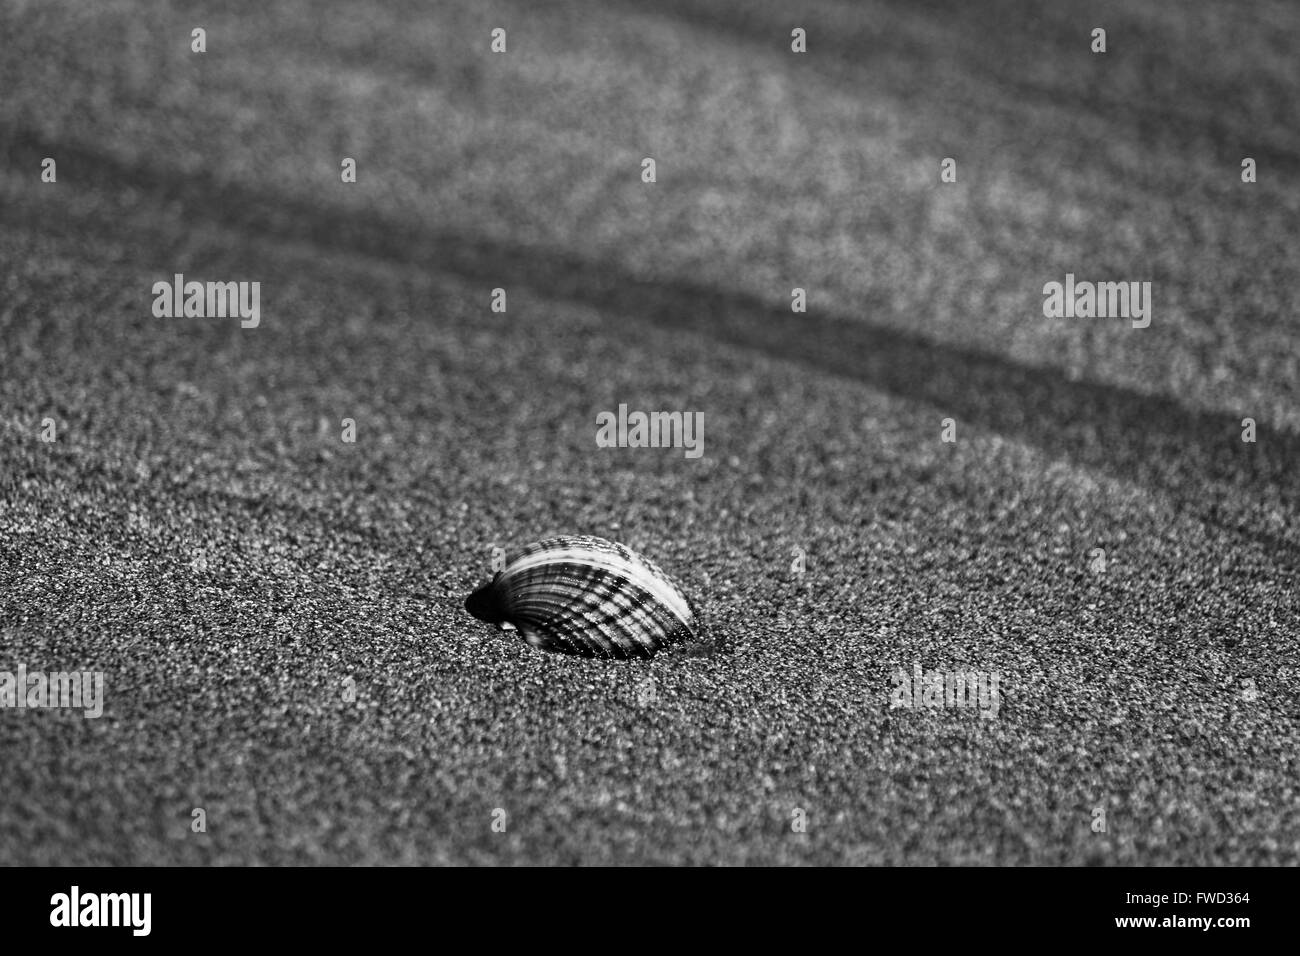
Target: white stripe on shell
column 634, row 571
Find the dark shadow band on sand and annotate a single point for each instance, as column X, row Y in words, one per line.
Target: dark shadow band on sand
column 987, row 60
column 1196, row 459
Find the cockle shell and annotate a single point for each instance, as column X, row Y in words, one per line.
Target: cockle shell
column 583, row 595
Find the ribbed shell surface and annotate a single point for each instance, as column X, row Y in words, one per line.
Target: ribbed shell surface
column 593, row 597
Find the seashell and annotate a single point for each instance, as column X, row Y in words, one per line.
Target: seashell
column 578, row 594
